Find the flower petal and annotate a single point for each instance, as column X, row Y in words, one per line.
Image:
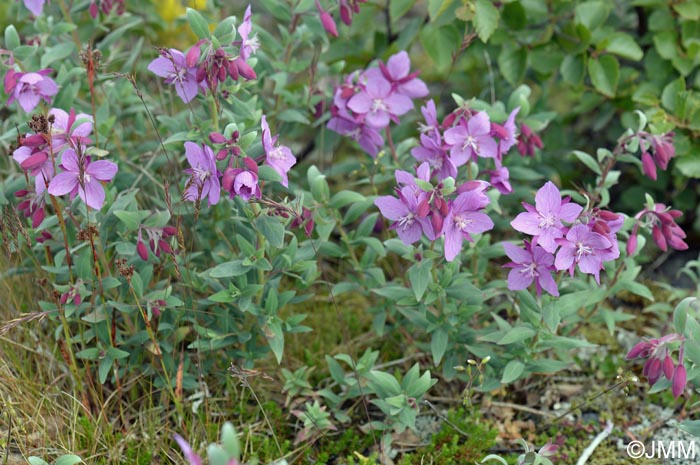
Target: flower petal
column 63, row 183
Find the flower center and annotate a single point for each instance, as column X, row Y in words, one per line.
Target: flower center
column 406, row 221
column 461, row 223
column 276, row 154
column 546, row 221
column 470, row 142
column 378, row 105
column 582, row 249
column 200, row 173
column 530, row 270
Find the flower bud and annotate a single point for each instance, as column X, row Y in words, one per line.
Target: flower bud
column 142, row 250
column 680, row 377
column 648, row 166
column 244, row 69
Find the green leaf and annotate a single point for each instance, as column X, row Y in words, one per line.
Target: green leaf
column 198, row 24
column 68, row 459
column 275, row 338
column 592, row 14
column 485, row 19
column 343, row 198
column 11, row 38
column 293, row 116
column 512, row 61
column 420, row 276
column 398, row 8
column 573, row 68
column 670, row 92
column 117, row 354
column 229, row 269
column 436, row 8
column 512, row 371
column 516, row 334
column 438, row 345
column 439, row 43
column 624, row 45
column 514, row 15
column 318, row 184
column 37, row 461
column 103, row 370
column 691, row 426
column 680, row 313
column 688, row 10
column 131, row 220
column 272, row 229
column 605, row 74
column 56, row 53
column 588, row 160
column 92, row 353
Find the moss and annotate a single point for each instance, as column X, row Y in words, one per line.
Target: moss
column 449, row 447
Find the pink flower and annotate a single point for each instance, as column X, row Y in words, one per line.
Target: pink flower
column 35, row 6
column 397, row 71
column 29, row 88
column 279, row 157
column 82, row 176
column 544, row 221
column 664, row 229
column 204, row 180
column 532, row 264
column 248, row 44
column 506, row 133
column 409, row 223
column 584, row 248
column 660, row 362
column 190, row 456
column 464, row 218
column 377, row 101
column 242, row 182
column 471, row 139
column 172, row 66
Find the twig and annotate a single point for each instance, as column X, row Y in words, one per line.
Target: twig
column 522, row 408
column 588, row 451
column 444, row 418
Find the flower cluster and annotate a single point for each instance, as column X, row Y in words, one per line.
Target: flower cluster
column 106, row 7
column 436, row 211
column 369, row 100
column 589, row 240
column 64, row 135
column 206, row 65
column 662, row 150
column 29, row 88
column 659, row 361
column 240, row 177
column 662, row 221
column 346, row 7
column 466, row 135
column 156, row 241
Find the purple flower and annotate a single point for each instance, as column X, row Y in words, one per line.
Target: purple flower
column 506, row 133
column 660, row 362
column 248, row 45
column 29, row 88
column 544, row 220
column 280, row 158
column 584, row 248
column 500, row 179
column 37, row 163
column 82, row 176
column 204, row 180
column 369, row 138
column 430, row 114
column 190, row 456
column 35, row 6
column 530, row 264
column 172, row 66
column 70, row 128
column 431, row 151
column 242, row 182
column 377, row 101
column 471, row 139
column 397, row 71
column 404, row 211
column 463, row 219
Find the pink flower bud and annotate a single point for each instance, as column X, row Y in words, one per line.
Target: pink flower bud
column 142, row 250
column 165, row 247
column 217, row 138
column 244, row 69
column 21, row 193
column 345, row 12
column 668, row 367
column 34, row 161
column 680, row 377
column 93, row 9
column 38, row 217
column 641, row 349
column 632, row 244
column 659, row 238
column 169, row 231
column 648, row 166
column 329, row 24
